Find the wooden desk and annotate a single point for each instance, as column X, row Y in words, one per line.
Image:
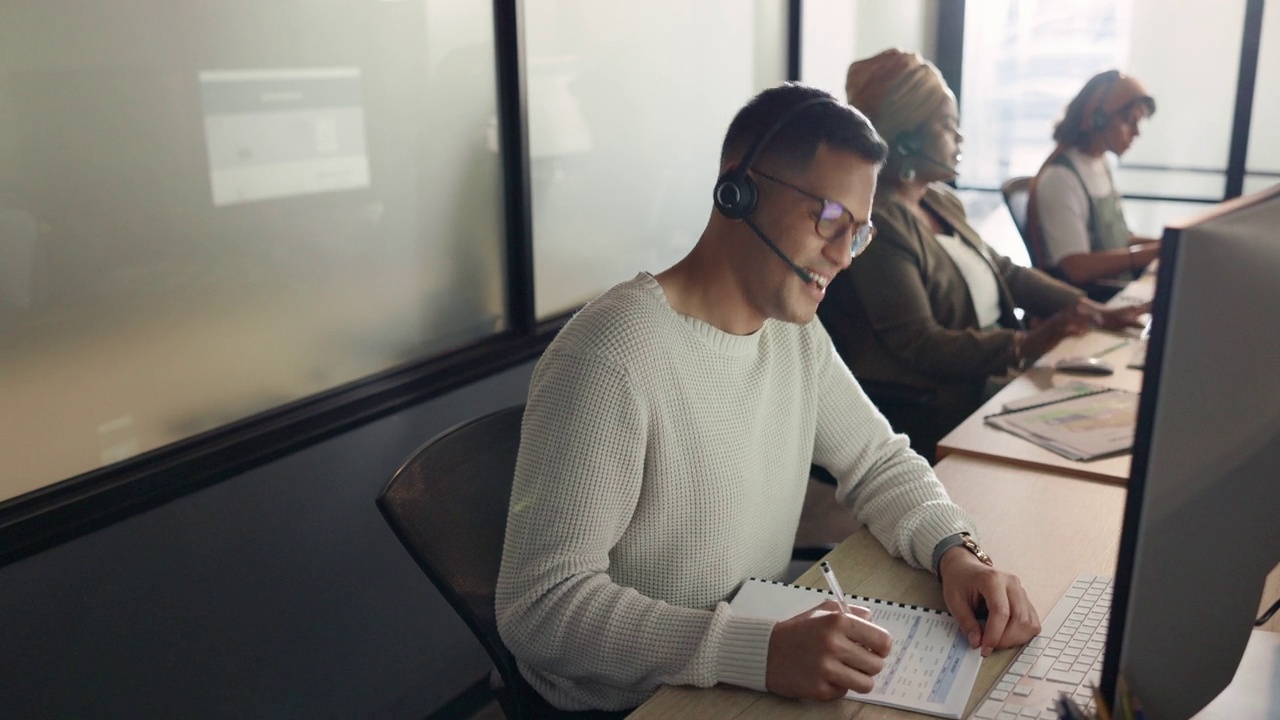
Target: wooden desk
column 1045, row 527
column 975, row 438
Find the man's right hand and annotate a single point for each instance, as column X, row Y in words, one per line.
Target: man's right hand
column 822, row 654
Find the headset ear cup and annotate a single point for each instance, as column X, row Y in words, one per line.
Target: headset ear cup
column 907, row 144
column 1100, row 120
column 735, row 195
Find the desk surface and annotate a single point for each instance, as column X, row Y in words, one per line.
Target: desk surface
column 973, row 437
column 1045, row 527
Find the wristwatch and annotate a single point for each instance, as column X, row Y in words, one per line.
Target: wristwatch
column 972, row 546
column 957, row 540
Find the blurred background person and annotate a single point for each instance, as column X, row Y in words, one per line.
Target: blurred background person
column 1078, row 231
column 925, row 319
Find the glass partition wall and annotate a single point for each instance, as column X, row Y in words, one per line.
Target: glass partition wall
column 227, row 230
column 208, row 211
column 219, row 223
column 625, row 129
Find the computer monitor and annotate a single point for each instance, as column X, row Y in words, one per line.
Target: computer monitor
column 1202, row 519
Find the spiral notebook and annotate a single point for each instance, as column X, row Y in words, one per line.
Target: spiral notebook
column 931, row 668
column 1078, row 421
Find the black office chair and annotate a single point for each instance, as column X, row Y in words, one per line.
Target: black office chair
column 1017, row 195
column 448, row 506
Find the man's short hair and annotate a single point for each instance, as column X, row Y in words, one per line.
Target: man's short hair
column 835, row 124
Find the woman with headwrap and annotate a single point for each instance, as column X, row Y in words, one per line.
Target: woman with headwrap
column 1077, row 229
column 925, row 317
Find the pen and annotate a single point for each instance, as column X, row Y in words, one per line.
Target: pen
column 1103, row 712
column 835, row 586
column 1068, row 710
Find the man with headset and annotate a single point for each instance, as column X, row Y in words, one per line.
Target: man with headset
column 668, row 437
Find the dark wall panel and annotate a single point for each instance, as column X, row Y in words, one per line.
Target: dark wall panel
column 278, row 593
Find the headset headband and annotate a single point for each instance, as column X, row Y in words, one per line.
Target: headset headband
column 757, row 147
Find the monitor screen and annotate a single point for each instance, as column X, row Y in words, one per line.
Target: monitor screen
column 1202, row 519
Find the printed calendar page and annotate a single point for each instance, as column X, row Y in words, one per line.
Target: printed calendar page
column 931, row 668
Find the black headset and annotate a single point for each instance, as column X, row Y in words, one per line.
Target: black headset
column 736, row 195
column 1096, row 118
column 908, row 144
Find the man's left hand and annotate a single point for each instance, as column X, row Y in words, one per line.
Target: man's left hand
column 969, row 584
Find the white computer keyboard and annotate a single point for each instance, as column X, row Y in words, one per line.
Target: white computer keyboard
column 1065, row 658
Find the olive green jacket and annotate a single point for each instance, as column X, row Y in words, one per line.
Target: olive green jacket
column 902, row 313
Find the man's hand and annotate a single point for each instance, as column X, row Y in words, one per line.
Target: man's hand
column 969, row 584
column 822, row 654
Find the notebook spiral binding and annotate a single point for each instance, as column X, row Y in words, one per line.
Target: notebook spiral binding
column 856, row 598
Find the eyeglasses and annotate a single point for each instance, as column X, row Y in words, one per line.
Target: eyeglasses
column 834, row 221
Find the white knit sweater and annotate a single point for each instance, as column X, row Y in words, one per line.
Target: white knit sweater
column 661, row 463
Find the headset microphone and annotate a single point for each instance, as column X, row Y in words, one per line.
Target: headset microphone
column 908, row 144
column 736, row 194
column 939, row 163
column 801, row 272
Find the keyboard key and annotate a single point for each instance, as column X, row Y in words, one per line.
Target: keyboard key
column 1020, row 668
column 1040, row 667
column 1006, row 683
column 1023, row 690
column 1029, row 712
column 1002, row 694
column 1064, row 676
column 989, row 710
column 1007, row 715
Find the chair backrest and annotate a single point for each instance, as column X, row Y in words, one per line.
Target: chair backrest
column 448, row 505
column 1017, row 193
column 1017, row 196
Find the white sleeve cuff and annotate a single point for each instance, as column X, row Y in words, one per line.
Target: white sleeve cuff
column 744, row 652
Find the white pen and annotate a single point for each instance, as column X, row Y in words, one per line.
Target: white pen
column 835, row 586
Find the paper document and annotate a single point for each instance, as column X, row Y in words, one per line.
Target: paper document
column 1087, row 427
column 1066, row 391
column 931, row 668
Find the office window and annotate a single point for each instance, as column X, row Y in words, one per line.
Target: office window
column 1262, row 166
column 212, row 209
column 627, row 106
column 834, row 33
column 1025, row 59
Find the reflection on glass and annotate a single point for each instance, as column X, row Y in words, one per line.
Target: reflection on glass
column 628, row 104
column 279, row 133
column 211, row 210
